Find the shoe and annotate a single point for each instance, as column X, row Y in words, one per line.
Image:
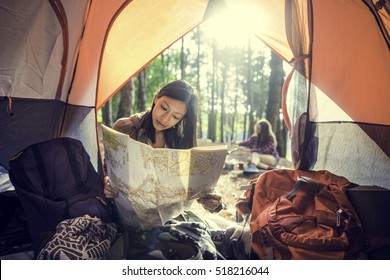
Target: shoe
column 251, row 168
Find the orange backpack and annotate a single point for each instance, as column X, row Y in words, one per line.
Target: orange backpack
column 299, row 214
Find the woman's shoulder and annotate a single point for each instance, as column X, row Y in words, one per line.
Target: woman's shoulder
column 253, row 137
column 125, row 124
column 271, row 138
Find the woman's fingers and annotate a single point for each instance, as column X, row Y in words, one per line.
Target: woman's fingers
column 109, row 190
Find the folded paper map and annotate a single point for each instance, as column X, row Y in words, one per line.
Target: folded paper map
column 157, row 184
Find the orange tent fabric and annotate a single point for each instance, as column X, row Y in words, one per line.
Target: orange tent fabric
column 62, row 60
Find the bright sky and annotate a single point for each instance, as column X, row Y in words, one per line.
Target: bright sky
column 225, row 31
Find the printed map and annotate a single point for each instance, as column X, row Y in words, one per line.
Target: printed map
column 155, row 184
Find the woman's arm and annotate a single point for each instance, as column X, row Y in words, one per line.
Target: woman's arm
column 248, row 143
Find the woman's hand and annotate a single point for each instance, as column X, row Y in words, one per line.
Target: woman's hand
column 212, row 202
column 109, row 190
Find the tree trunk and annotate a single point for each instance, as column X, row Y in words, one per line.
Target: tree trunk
column 126, row 100
column 107, row 113
column 163, row 68
column 198, row 43
column 281, row 136
column 275, row 90
column 250, row 102
column 214, row 84
column 141, row 93
column 235, row 113
column 274, row 99
column 223, row 87
column 182, row 61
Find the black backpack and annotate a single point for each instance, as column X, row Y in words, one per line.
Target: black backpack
column 14, row 234
column 55, row 180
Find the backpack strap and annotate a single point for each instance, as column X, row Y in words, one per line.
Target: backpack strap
column 252, row 192
column 75, row 171
column 302, row 180
column 41, row 170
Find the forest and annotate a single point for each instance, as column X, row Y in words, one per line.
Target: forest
column 238, row 79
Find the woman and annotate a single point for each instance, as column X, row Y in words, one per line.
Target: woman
column 262, row 143
column 170, row 123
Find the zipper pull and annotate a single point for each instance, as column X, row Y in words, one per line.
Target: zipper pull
column 342, row 217
column 101, row 200
column 338, row 218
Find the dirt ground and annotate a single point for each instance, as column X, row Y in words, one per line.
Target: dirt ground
column 229, row 186
column 230, row 183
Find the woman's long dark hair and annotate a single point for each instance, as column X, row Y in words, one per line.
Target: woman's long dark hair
column 265, row 132
column 183, row 135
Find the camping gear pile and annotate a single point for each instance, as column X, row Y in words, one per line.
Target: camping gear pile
column 55, row 181
column 296, row 214
column 62, row 60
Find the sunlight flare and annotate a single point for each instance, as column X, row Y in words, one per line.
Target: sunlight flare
column 234, row 26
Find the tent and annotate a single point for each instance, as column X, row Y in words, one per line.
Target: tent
column 61, row 60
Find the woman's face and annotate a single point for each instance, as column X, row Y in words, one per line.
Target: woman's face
column 167, row 112
column 258, row 129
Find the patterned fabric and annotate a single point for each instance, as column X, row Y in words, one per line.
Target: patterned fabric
column 82, row 238
column 269, row 148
